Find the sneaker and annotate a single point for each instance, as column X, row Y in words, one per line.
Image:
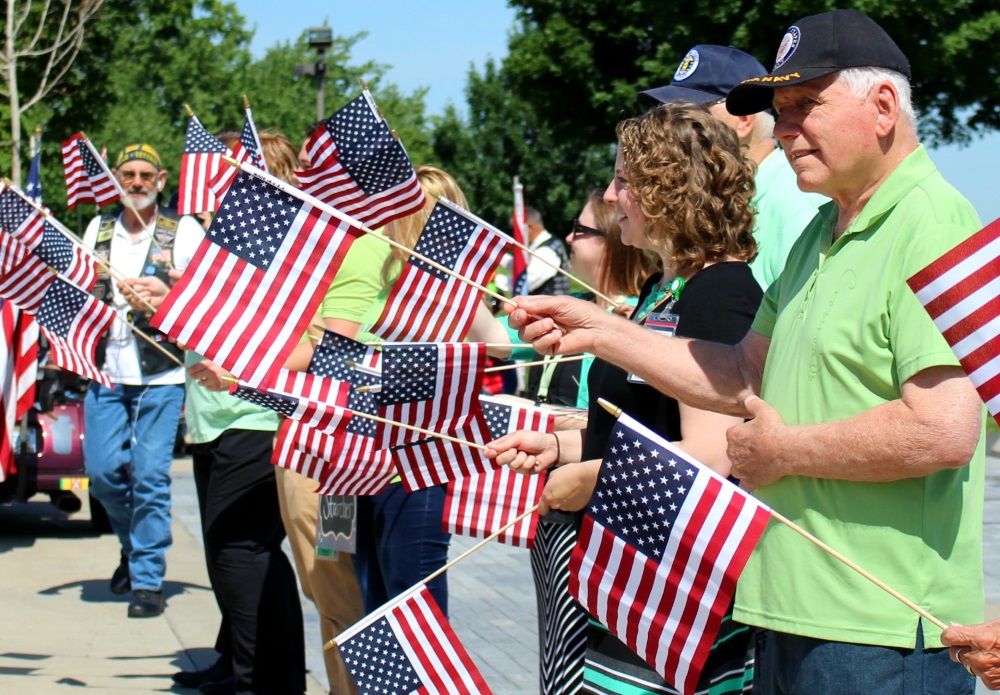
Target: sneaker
column 145, row 604
column 121, row 583
column 216, row 673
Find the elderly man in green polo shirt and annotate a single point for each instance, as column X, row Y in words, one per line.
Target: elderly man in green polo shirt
column 864, row 429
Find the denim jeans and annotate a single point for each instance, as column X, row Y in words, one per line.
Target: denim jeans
column 793, row 665
column 400, row 542
column 141, row 420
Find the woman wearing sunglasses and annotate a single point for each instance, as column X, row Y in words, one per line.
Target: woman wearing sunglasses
column 682, row 189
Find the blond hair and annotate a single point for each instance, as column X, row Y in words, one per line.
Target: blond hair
column 406, row 230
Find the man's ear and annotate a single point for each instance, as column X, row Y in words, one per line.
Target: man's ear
column 887, row 103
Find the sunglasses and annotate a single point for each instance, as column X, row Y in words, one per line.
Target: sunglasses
column 579, row 230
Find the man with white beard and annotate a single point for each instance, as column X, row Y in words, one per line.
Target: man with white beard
column 130, row 430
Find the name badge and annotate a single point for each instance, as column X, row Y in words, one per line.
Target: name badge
column 662, row 322
column 336, row 525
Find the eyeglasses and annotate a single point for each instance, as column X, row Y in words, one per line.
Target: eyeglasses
column 144, row 176
column 581, row 230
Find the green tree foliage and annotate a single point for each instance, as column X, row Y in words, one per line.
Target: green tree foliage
column 143, row 61
column 503, row 137
column 287, row 103
column 581, row 63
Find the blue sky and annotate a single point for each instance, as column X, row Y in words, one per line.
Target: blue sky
column 433, row 44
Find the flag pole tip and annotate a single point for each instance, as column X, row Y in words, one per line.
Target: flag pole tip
column 190, row 113
column 38, row 129
column 228, row 379
column 230, row 161
column 364, row 85
column 610, row 407
column 363, row 389
column 246, row 102
column 351, row 363
column 332, row 644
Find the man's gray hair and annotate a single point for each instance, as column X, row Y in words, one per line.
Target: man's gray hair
column 861, row 81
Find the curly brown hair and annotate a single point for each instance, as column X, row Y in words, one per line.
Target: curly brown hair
column 687, row 173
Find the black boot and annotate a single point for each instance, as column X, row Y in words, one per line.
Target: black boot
column 145, row 603
column 121, row 583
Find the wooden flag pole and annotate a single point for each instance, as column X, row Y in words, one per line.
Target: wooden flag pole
column 616, row 412
column 334, row 212
column 518, row 365
column 376, row 418
column 126, row 201
column 62, row 229
column 150, row 340
column 333, row 643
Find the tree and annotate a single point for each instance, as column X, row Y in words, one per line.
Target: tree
column 504, row 137
column 40, row 45
column 581, row 63
column 286, row 102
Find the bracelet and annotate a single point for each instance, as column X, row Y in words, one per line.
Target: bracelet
column 558, row 450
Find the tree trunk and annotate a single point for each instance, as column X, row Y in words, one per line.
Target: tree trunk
column 15, row 101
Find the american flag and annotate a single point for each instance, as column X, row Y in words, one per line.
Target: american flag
column 347, row 462
column 256, row 280
column 407, row 646
column 961, row 292
column 18, row 370
column 479, row 505
column 315, row 401
column 360, row 168
column 427, row 304
column 200, row 163
column 24, row 277
column 73, row 321
column 433, row 386
column 33, row 188
column 77, row 183
column 102, row 184
column 662, row 544
column 28, row 225
column 519, row 268
column 247, row 149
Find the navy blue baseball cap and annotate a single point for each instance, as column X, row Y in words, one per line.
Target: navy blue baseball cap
column 706, row 74
column 816, row 46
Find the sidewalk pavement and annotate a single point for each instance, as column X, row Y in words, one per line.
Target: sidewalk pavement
column 63, row 631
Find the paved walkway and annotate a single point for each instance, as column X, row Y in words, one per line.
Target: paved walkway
column 62, row 631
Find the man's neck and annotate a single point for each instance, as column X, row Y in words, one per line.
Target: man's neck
column 137, row 221
column 761, row 150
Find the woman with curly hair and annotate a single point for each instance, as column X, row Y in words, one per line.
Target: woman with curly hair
column 682, row 188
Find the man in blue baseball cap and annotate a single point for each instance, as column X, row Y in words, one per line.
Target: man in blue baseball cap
column 705, row 76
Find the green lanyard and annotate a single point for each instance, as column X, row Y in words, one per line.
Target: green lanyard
column 671, row 291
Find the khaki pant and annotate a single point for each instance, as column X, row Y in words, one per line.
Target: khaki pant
column 330, row 584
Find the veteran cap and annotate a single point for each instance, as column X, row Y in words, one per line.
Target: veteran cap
column 706, row 74
column 816, row 46
column 141, row 151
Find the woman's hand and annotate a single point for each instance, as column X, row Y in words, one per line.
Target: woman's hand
column 570, row 487
column 525, row 451
column 210, row 375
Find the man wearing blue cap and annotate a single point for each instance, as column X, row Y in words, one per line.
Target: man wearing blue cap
column 863, row 429
column 705, row 76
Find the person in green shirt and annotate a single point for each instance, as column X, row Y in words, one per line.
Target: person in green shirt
column 863, row 428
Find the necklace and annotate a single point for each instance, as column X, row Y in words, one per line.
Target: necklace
column 664, row 291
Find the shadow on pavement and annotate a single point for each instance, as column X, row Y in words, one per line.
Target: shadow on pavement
column 96, row 590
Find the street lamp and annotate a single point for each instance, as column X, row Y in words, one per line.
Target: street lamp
column 319, row 39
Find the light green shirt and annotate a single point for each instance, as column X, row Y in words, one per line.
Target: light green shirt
column 846, row 332
column 210, row 413
column 783, row 211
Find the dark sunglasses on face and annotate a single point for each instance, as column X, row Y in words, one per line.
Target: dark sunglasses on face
column 580, row 230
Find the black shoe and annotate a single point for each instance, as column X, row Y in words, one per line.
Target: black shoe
column 145, row 604
column 223, row 687
column 219, row 671
column 121, row 583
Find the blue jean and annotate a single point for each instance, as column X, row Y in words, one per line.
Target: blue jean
column 793, row 665
column 400, row 542
column 142, row 420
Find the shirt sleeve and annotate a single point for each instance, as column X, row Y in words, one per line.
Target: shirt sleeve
column 189, row 236
column 90, row 235
column 358, row 281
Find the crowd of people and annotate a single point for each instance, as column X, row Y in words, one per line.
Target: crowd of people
column 755, row 239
